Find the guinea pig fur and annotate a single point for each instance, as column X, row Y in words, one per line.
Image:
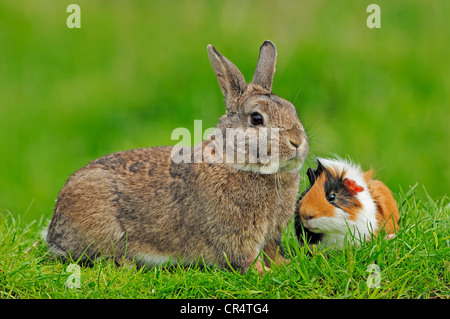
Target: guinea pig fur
column 343, row 199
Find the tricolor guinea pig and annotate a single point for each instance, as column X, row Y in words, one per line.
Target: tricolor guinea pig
column 343, row 199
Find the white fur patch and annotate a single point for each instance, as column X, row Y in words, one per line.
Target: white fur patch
column 44, row 233
column 159, row 259
column 271, row 167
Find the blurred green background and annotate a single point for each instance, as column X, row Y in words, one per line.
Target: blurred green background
column 136, row 70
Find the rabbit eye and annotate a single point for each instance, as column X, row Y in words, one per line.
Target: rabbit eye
column 256, row 119
column 331, row 198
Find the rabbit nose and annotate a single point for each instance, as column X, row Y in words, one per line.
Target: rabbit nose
column 295, row 137
column 296, row 144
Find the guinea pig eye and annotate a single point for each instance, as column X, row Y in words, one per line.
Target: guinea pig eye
column 331, row 197
column 256, row 119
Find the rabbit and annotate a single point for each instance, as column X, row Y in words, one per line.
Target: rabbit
column 342, row 199
column 141, row 206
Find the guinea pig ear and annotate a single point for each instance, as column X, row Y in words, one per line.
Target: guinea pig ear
column 352, row 187
column 314, row 173
column 311, row 176
column 320, row 168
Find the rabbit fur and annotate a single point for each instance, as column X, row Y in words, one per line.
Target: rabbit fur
column 140, row 205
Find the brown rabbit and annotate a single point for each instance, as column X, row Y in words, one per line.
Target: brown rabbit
column 141, row 205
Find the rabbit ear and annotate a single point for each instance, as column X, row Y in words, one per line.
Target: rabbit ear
column 230, row 79
column 265, row 69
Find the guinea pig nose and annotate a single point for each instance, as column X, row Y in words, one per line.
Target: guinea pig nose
column 307, row 217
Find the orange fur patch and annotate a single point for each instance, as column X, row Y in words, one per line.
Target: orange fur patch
column 314, row 203
column 387, row 211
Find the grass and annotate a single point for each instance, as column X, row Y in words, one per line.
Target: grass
column 136, row 70
column 415, row 264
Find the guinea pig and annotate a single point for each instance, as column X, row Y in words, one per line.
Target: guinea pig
column 342, row 199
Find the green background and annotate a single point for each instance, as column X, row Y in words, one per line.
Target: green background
column 136, row 70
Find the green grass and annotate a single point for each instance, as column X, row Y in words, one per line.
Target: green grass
column 138, row 69
column 416, row 264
